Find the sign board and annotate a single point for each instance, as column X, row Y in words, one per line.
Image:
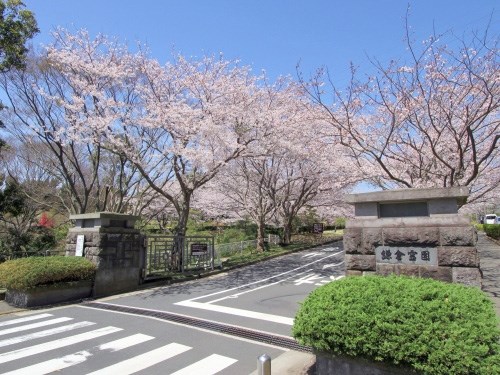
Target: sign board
column 80, row 240
column 318, row 228
column 426, row 256
column 199, row 248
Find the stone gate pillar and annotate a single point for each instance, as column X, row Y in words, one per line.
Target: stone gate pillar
column 414, row 232
column 110, row 241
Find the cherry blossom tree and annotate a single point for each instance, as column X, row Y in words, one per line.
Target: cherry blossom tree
column 429, row 121
column 46, row 134
column 178, row 123
column 303, row 180
column 291, row 173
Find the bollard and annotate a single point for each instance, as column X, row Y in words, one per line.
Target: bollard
column 264, row 365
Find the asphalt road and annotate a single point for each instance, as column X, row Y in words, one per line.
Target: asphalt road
column 95, row 338
column 264, row 296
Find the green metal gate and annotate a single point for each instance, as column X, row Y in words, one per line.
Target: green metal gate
column 166, row 255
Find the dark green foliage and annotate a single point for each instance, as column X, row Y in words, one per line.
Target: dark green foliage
column 492, row 230
column 434, row 327
column 20, row 234
column 17, row 26
column 26, row 273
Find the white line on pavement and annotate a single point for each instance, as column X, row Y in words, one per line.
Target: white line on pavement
column 47, row 332
column 143, row 361
column 207, row 366
column 69, row 360
column 33, row 325
column 56, row 344
column 25, row 319
column 260, row 287
column 267, row 278
column 239, row 312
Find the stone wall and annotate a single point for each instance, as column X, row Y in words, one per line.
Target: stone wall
column 117, row 253
column 454, row 240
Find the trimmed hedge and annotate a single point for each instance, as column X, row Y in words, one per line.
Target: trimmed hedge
column 492, row 230
column 432, row 326
column 25, row 273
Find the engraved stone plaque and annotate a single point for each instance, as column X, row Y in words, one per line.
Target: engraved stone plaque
column 426, row 256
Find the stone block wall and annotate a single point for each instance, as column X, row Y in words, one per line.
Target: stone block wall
column 117, row 253
column 457, row 259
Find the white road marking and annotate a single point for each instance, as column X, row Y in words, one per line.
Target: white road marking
column 331, row 265
column 239, row 312
column 25, row 319
column 312, row 255
column 126, row 342
column 47, row 332
column 332, row 278
column 56, row 344
column 308, row 279
column 207, row 366
column 328, row 249
column 52, row 365
column 266, row 279
column 254, row 289
column 58, row 364
column 247, row 313
column 34, row 325
column 143, row 361
column 188, row 326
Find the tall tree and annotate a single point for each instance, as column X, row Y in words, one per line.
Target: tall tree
column 430, row 121
column 90, row 178
column 187, row 121
column 17, row 26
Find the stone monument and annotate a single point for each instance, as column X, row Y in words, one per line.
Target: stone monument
column 413, row 232
column 110, row 241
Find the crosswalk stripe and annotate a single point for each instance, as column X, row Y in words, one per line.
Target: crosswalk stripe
column 207, row 366
column 25, row 319
column 126, row 342
column 58, row 364
column 52, row 365
column 47, row 332
column 34, row 325
column 51, row 345
column 143, row 361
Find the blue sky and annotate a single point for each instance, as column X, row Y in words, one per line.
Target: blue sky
column 272, row 35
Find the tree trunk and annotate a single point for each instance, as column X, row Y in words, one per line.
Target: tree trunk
column 287, row 232
column 261, row 246
column 180, row 234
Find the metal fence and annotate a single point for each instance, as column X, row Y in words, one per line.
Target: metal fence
column 227, row 249
column 165, row 254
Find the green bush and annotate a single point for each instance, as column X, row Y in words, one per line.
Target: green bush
column 492, row 230
column 432, row 326
column 25, row 273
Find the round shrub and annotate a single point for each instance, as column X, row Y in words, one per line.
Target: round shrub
column 25, row 273
column 432, row 326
